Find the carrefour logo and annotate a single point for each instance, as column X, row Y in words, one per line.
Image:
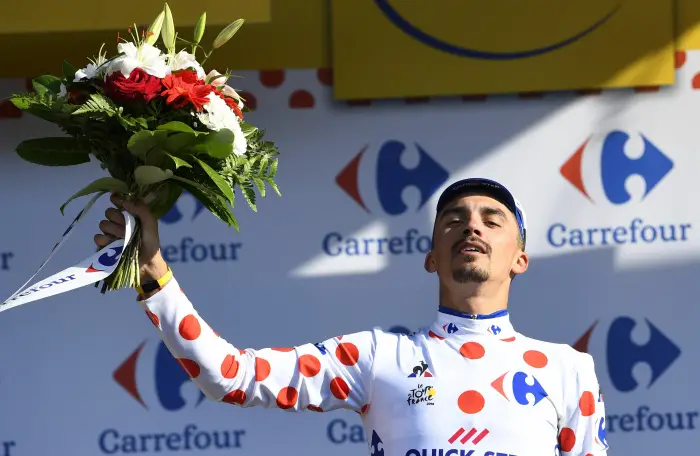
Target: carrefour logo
column 375, row 180
column 602, row 170
column 154, row 382
column 188, row 214
column 5, row 258
column 622, row 355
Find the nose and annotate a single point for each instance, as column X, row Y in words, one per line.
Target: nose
column 473, row 227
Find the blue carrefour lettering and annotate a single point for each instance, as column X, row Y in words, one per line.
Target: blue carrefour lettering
column 393, row 178
column 5, row 258
column 46, row 285
column 617, row 167
column 191, row 251
column 335, row 244
column 559, row 235
column 645, row 420
column 6, row 448
column 112, row 442
column 339, row 431
column 623, row 354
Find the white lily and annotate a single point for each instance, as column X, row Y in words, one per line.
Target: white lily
column 218, row 80
column 217, row 115
column 183, row 60
column 94, row 69
column 147, row 57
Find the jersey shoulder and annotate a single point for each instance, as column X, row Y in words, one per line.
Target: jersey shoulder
column 562, row 355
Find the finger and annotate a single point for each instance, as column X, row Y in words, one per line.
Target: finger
column 112, row 229
column 115, row 216
column 103, row 240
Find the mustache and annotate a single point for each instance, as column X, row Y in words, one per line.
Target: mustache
column 472, row 240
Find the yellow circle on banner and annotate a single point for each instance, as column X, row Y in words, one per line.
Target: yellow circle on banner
column 498, row 28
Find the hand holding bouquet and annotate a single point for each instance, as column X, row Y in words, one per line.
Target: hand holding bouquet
column 158, row 123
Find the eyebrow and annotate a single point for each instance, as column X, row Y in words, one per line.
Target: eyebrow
column 485, row 211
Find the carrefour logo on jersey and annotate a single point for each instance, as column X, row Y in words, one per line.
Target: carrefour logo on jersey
column 602, row 170
column 376, row 180
column 622, row 355
column 154, row 382
column 190, row 248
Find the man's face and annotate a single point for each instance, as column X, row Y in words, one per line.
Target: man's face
column 476, row 240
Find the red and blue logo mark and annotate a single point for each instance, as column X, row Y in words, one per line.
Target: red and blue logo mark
column 616, row 166
column 169, row 379
column 622, row 355
column 600, row 170
column 392, row 177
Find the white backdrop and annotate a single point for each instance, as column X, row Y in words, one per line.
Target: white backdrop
column 613, row 242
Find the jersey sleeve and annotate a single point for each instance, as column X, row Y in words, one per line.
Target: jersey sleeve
column 582, row 426
column 324, row 376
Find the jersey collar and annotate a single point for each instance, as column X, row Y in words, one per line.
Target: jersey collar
column 452, row 323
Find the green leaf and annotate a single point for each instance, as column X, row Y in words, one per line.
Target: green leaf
column 60, row 151
column 178, row 127
column 149, row 175
column 249, row 195
column 261, row 185
column 219, row 181
column 179, row 141
column 272, row 184
column 104, row 184
column 45, row 83
column 141, row 142
column 68, row 71
column 178, row 161
column 215, row 203
column 248, row 129
column 273, row 169
column 218, row 144
column 166, row 197
column 98, row 104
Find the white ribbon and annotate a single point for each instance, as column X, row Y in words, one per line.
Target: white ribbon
column 93, row 269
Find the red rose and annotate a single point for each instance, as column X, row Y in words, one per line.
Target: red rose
column 140, row 86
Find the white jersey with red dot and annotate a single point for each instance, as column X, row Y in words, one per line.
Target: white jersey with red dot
column 462, row 387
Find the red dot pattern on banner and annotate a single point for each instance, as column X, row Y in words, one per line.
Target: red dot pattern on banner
column 286, row 349
column 340, row 388
column 535, row 359
column 435, row 336
column 235, row 397
column 681, row 58
column 696, row 82
column 229, row 367
column 347, row 353
column 9, row 111
column 191, row 367
column 472, row 350
column 567, row 440
column 153, row 317
column 189, row 328
column 471, row 402
column 287, row 397
column 272, row 78
column 301, row 99
column 509, row 339
column 314, row 408
column 309, row 365
column 242, row 352
column 587, row 403
column 262, row 369
column 325, row 76
column 249, row 99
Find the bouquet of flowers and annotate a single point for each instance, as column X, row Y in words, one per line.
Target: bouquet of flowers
column 158, row 123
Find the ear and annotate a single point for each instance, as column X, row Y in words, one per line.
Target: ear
column 429, row 263
column 520, row 264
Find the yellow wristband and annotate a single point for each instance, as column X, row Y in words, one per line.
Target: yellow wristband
column 156, row 284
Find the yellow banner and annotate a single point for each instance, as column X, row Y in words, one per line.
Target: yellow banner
column 407, row 48
column 687, row 25
column 41, row 16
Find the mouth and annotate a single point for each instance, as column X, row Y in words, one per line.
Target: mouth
column 470, row 248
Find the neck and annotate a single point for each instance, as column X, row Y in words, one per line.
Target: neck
column 474, row 298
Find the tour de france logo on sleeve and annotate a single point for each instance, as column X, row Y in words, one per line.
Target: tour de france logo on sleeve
column 421, row 394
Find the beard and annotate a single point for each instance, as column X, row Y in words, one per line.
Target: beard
column 469, row 272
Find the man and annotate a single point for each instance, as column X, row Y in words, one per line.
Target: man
column 467, row 385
